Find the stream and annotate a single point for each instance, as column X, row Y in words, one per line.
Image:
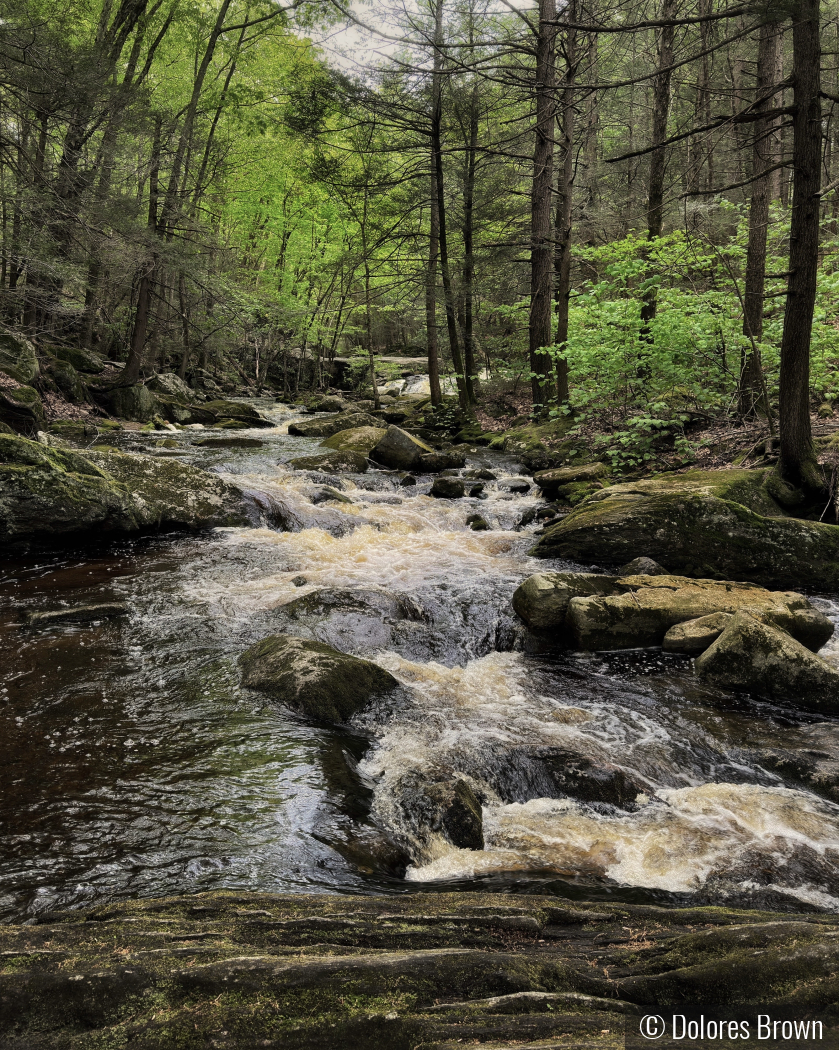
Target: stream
column 134, row 764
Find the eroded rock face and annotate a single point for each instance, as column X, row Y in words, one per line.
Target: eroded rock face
column 332, row 425
column 759, row 658
column 400, row 450
column 313, row 678
column 698, row 533
column 360, row 440
column 553, row 482
column 334, row 462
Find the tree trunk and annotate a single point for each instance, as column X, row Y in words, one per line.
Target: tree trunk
column 431, row 294
column 437, row 150
column 798, row 458
column 562, row 290
column 468, row 244
column 540, row 334
column 750, row 394
column 661, row 116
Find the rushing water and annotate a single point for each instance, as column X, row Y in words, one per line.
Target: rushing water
column 134, row 764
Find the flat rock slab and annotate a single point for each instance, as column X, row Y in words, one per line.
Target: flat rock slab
column 241, row 970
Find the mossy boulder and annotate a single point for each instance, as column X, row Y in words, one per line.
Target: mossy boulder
column 542, row 600
column 757, row 657
column 333, row 462
column 67, row 379
column 171, row 386
column 356, row 439
column 237, row 412
column 728, row 527
column 313, row 678
column 170, row 493
column 18, row 359
column 46, row 492
column 21, row 409
column 650, row 605
column 448, row 488
column 326, row 427
column 554, row 482
column 136, row 403
column 82, row 360
column 400, row 450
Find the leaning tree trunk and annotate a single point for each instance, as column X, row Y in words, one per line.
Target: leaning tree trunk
column 661, row 116
column 540, row 334
column 562, row 290
column 469, row 245
column 798, row 458
column 750, row 394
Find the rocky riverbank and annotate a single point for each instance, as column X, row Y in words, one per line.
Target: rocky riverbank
column 431, row 971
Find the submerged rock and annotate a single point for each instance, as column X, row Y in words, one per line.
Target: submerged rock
column 457, row 813
column 694, row 530
column 478, row 523
column 337, row 462
column 360, row 440
column 400, row 450
column 313, row 678
column 79, row 614
column 760, row 658
column 448, row 488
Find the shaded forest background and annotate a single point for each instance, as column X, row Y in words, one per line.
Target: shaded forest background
column 626, row 213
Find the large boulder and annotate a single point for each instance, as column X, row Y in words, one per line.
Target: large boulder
column 18, row 359
column 172, row 386
column 448, row 488
column 238, row 411
column 82, row 360
column 400, row 450
column 47, row 492
column 356, row 439
column 553, row 483
column 542, row 600
column 21, row 409
column 313, row 678
column 167, row 492
column 696, row 532
column 651, row 605
column 760, row 658
column 326, row 427
column 332, row 462
column 136, row 403
column 67, row 379
column 628, row 612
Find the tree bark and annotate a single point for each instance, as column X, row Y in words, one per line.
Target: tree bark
column 565, row 186
column 470, row 162
column 540, row 333
column 798, row 458
column 661, row 116
column 750, row 393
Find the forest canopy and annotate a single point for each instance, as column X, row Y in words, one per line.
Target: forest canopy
column 630, row 211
